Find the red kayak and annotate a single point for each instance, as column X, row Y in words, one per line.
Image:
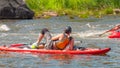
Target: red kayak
column 92, row 51
column 114, row 35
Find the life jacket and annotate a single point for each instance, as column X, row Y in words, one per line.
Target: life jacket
column 62, row 43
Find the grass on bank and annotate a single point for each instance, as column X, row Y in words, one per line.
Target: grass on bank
column 80, row 8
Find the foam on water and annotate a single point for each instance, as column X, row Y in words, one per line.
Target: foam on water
column 4, row 27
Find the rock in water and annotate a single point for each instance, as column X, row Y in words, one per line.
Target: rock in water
column 15, row 9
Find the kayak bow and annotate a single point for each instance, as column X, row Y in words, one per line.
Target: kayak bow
column 114, row 35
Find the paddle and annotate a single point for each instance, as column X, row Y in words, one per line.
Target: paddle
column 106, row 32
column 22, row 45
column 17, row 45
column 103, row 33
column 113, row 29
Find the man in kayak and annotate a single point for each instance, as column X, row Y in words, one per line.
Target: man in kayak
column 116, row 29
column 62, row 41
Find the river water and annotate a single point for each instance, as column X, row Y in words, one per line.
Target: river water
column 85, row 32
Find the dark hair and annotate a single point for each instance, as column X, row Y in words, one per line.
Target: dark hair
column 44, row 30
column 68, row 29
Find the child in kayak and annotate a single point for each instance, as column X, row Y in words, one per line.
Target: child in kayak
column 62, row 41
column 115, row 29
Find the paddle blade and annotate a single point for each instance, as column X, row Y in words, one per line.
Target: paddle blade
column 16, row 45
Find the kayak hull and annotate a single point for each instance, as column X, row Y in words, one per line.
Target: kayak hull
column 44, row 51
column 114, row 35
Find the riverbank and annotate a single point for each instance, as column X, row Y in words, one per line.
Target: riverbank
column 71, row 8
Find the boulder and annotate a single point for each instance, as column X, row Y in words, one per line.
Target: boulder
column 116, row 11
column 15, row 9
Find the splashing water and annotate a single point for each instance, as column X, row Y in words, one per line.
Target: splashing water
column 4, row 27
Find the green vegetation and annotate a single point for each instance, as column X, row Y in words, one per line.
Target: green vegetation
column 80, row 8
